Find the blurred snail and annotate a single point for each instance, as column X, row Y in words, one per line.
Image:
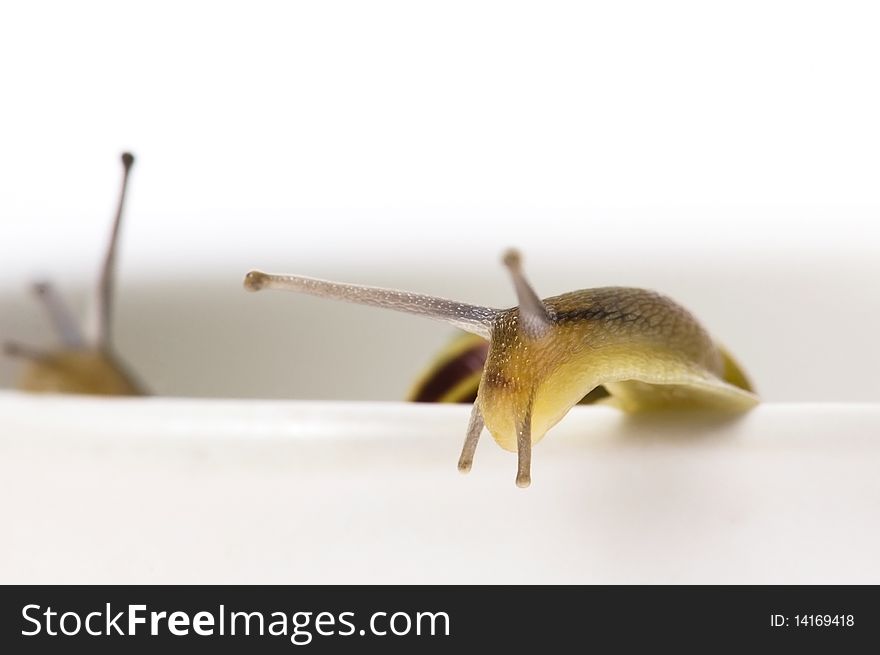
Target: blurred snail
column 83, row 364
column 632, row 348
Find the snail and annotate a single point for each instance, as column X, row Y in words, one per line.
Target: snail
column 83, row 365
column 453, row 376
column 629, row 347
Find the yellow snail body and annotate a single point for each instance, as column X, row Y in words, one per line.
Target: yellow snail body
column 643, row 350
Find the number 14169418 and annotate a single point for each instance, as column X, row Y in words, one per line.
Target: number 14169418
column 824, row 620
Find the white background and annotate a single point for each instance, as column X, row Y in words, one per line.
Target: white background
column 754, row 121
